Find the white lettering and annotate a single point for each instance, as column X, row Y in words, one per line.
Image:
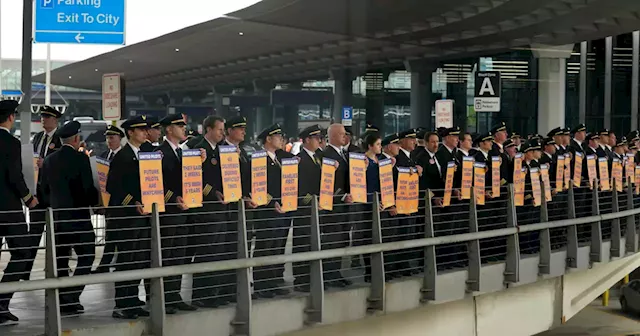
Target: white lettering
column 487, row 87
column 91, row 3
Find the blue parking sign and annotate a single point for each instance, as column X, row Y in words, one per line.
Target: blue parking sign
column 347, row 115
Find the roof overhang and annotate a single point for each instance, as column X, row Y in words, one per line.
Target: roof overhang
column 294, row 40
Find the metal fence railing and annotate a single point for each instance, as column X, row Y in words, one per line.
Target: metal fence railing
column 238, row 254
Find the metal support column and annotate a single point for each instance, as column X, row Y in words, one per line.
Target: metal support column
column 242, row 321
column 316, row 299
column 25, row 80
column 512, row 267
column 157, row 316
column 616, row 231
column 473, row 278
column 377, row 290
column 52, row 322
column 583, row 82
column 631, row 233
column 544, row 265
column 596, row 227
column 572, row 230
column 430, row 267
column 635, row 59
column 608, row 59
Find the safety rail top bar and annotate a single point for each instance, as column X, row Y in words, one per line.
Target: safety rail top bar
column 167, row 271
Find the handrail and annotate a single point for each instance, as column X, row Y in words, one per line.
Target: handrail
column 166, row 271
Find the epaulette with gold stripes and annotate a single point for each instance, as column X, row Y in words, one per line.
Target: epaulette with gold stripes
column 269, row 198
column 167, row 196
column 127, row 200
column 27, row 197
column 307, row 199
column 207, row 189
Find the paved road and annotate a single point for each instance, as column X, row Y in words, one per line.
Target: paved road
column 596, row 320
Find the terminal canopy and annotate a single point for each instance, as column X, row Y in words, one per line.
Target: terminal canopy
column 295, row 40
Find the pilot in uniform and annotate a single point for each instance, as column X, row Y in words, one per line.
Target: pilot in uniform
column 13, row 193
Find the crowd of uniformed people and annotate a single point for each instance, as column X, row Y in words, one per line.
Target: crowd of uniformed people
column 65, row 183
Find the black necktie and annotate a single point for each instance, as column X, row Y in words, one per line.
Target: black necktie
column 179, row 153
column 110, row 156
column 43, row 148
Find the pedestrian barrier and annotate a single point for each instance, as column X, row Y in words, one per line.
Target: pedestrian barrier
column 236, row 254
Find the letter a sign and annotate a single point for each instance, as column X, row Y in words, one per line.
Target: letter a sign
column 487, row 91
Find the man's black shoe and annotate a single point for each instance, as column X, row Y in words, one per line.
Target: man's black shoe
column 346, row 282
column 206, row 303
column 141, row 312
column 170, row 310
column 124, row 314
column 280, row 292
column 302, row 288
column 184, row 307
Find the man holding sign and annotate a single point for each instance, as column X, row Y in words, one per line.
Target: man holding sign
column 210, row 236
column 174, row 230
column 271, row 236
column 130, row 222
column 309, row 187
column 335, row 232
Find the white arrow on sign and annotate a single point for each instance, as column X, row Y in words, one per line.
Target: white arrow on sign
column 79, row 38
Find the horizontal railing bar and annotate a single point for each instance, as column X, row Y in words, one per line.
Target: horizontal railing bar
column 167, row 271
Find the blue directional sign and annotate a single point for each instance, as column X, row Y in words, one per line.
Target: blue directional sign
column 80, row 21
column 347, row 115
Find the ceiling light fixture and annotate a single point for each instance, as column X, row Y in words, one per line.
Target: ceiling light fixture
column 177, row 49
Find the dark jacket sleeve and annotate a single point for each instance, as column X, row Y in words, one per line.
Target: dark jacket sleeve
column 16, row 178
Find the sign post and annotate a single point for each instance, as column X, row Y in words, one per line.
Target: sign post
column 444, row 113
column 112, row 94
column 487, row 91
column 80, row 22
column 347, row 115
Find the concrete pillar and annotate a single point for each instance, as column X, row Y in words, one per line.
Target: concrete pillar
column 264, row 114
column 552, row 71
column 583, row 82
column 374, row 102
column 221, row 103
column 608, row 68
column 421, row 95
column 290, row 114
column 342, row 93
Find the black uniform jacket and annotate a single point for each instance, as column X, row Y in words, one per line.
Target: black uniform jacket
column 123, row 183
column 341, row 181
column 67, row 183
column 54, row 144
column 13, row 189
column 310, row 170
column 211, row 172
column 171, row 176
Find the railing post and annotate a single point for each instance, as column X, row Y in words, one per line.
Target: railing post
column 631, row 234
column 316, row 283
column 512, row 267
column 544, row 264
column 52, row 322
column 596, row 227
column 473, row 280
column 157, row 311
column 430, row 268
column 572, row 230
column 242, row 321
column 377, row 293
column 616, row 231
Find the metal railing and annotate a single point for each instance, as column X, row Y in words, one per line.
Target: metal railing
column 464, row 235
